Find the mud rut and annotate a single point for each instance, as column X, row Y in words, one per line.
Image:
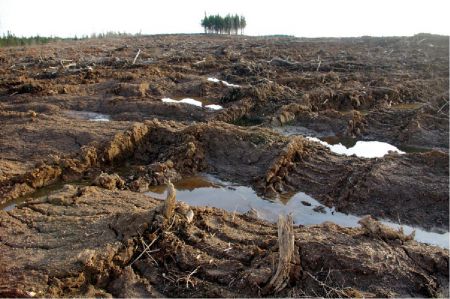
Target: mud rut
column 113, row 240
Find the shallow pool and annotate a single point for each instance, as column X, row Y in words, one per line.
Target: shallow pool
column 193, row 102
column 88, row 115
column 363, row 149
column 207, row 190
column 215, row 80
column 342, row 145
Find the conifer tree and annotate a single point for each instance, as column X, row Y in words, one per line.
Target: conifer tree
column 223, row 25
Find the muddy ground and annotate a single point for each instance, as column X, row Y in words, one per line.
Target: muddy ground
column 96, row 251
column 82, row 240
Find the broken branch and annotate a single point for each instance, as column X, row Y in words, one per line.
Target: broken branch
column 137, row 55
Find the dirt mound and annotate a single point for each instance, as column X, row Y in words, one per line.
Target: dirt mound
column 392, row 187
column 280, row 81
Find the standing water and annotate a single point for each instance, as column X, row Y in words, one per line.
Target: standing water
column 343, row 145
column 215, row 80
column 191, row 102
column 363, row 149
column 88, row 115
column 305, row 210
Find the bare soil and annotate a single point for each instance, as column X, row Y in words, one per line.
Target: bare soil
column 82, row 241
column 88, row 241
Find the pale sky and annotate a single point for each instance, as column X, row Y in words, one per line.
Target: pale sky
column 302, row 18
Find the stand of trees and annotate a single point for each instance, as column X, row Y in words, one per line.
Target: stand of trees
column 224, row 25
column 10, row 40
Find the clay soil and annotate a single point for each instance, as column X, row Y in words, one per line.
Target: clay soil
column 109, row 239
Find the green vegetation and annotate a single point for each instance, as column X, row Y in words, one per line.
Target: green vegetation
column 10, row 40
column 224, row 25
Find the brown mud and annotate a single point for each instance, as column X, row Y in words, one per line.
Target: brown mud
column 82, row 240
column 118, row 244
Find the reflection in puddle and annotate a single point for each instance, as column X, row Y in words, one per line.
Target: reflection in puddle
column 288, row 130
column 41, row 192
column 363, row 149
column 414, row 149
column 88, row 115
column 214, row 106
column 192, row 102
column 345, row 141
column 215, row 80
column 184, row 101
column 209, row 191
column 342, row 145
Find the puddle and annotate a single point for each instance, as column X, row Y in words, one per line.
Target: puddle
column 343, row 145
column 183, row 101
column 192, row 102
column 363, row 149
column 345, row 141
column 88, row 115
column 209, row 191
column 215, row 80
column 288, row 130
column 214, row 107
column 44, row 191
column 414, row 149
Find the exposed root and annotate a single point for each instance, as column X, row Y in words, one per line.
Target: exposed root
column 333, row 292
column 146, row 250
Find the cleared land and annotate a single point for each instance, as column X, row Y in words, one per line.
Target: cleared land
column 87, row 241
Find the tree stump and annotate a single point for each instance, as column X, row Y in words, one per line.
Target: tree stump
column 286, row 250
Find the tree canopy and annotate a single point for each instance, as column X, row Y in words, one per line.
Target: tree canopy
column 230, row 24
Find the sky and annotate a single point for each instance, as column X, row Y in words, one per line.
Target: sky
column 302, row 18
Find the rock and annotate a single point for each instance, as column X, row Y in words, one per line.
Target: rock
column 139, row 185
column 32, row 113
column 109, row 181
column 131, row 90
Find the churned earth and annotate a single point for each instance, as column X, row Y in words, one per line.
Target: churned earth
column 89, row 126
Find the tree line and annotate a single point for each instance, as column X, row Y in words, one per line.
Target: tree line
column 10, row 39
column 230, row 24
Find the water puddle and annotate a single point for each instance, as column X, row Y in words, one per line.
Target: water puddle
column 88, row 115
column 343, row 145
column 246, row 121
column 215, row 80
column 288, row 130
column 44, row 191
column 363, row 149
column 209, row 191
column 193, row 102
